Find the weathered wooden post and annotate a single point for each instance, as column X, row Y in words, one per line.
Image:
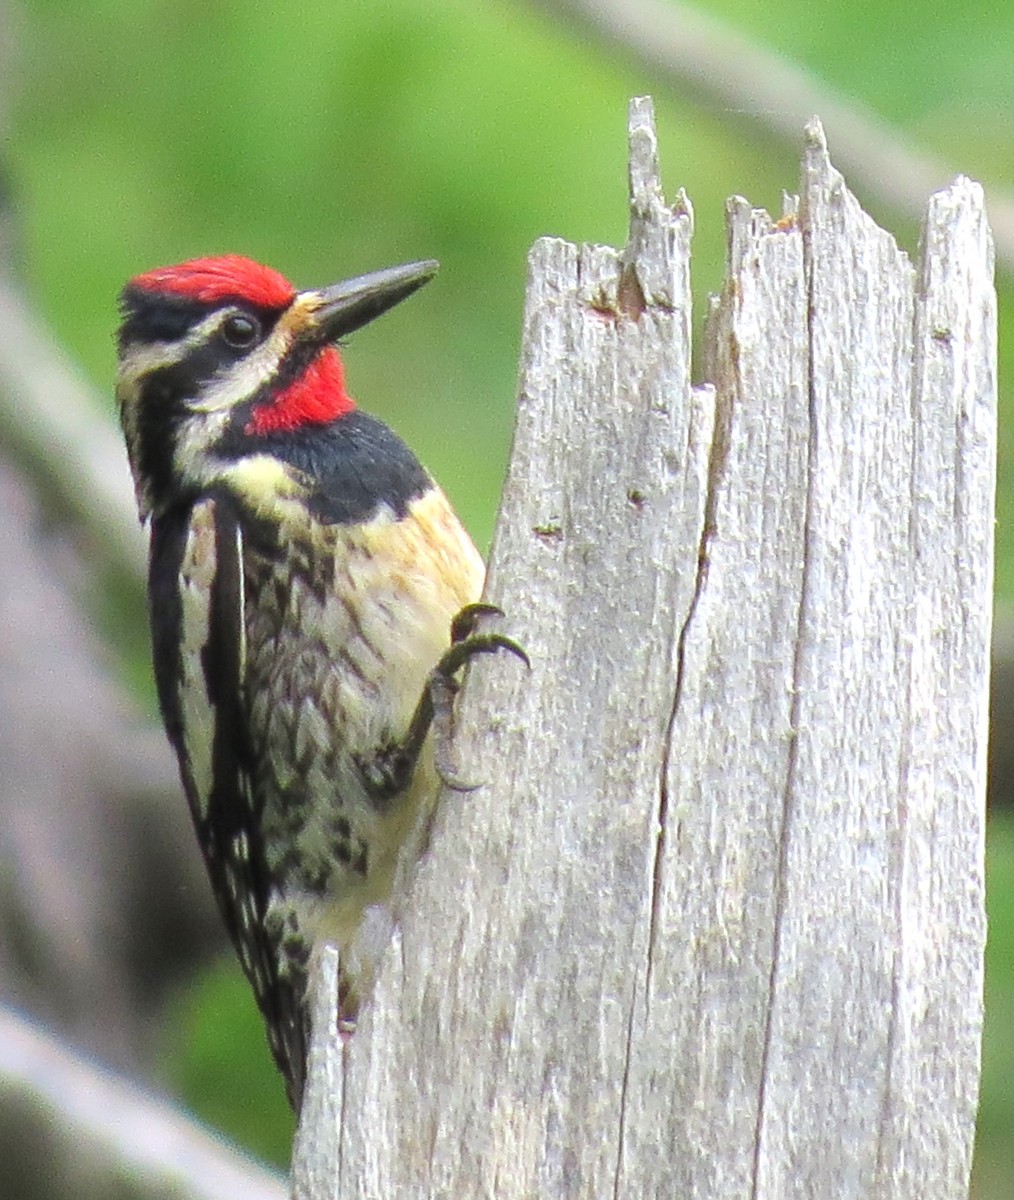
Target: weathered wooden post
column 713, row 927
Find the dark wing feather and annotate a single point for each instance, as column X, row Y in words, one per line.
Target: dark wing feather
column 196, row 590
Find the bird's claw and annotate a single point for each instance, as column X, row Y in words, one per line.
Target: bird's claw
column 390, row 770
column 466, row 622
column 443, row 687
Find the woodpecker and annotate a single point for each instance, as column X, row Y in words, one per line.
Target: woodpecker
column 311, row 596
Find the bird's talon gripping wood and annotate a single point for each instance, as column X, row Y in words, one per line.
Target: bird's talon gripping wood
column 393, row 766
column 467, row 621
column 305, row 577
column 443, row 686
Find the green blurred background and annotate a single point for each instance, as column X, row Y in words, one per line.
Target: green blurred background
column 331, row 138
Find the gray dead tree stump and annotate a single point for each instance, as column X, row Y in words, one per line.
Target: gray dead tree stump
column 714, row 926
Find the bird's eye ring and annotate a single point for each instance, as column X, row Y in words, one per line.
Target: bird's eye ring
column 240, row 331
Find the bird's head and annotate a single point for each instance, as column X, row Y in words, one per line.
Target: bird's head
column 217, row 355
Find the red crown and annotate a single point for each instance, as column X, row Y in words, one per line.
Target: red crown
column 225, row 277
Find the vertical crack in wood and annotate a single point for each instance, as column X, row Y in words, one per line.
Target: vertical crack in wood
column 647, row 207
column 716, row 464
column 662, row 812
column 805, row 599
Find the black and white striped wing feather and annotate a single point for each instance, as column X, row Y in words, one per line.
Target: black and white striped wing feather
column 197, row 607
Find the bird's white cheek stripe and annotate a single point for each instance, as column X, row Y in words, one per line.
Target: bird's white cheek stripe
column 259, row 367
column 247, row 376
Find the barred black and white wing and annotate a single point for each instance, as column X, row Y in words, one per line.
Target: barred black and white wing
column 197, row 611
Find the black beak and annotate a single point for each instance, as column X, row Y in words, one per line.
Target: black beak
column 346, row 307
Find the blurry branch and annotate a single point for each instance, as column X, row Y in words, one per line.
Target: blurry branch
column 103, row 901
column 52, row 422
column 701, row 56
column 111, row 1131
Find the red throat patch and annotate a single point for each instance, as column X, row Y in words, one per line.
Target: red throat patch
column 316, row 397
column 225, row 277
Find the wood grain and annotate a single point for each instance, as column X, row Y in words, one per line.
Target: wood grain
column 714, row 925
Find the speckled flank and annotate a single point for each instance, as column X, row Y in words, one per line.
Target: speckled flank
column 337, row 658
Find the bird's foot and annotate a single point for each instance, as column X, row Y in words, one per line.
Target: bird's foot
column 390, row 771
column 443, row 686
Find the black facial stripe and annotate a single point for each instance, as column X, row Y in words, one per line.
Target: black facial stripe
column 166, row 390
column 148, row 318
column 293, row 363
column 352, row 465
column 187, row 378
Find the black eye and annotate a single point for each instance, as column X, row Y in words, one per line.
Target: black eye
column 240, row 331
